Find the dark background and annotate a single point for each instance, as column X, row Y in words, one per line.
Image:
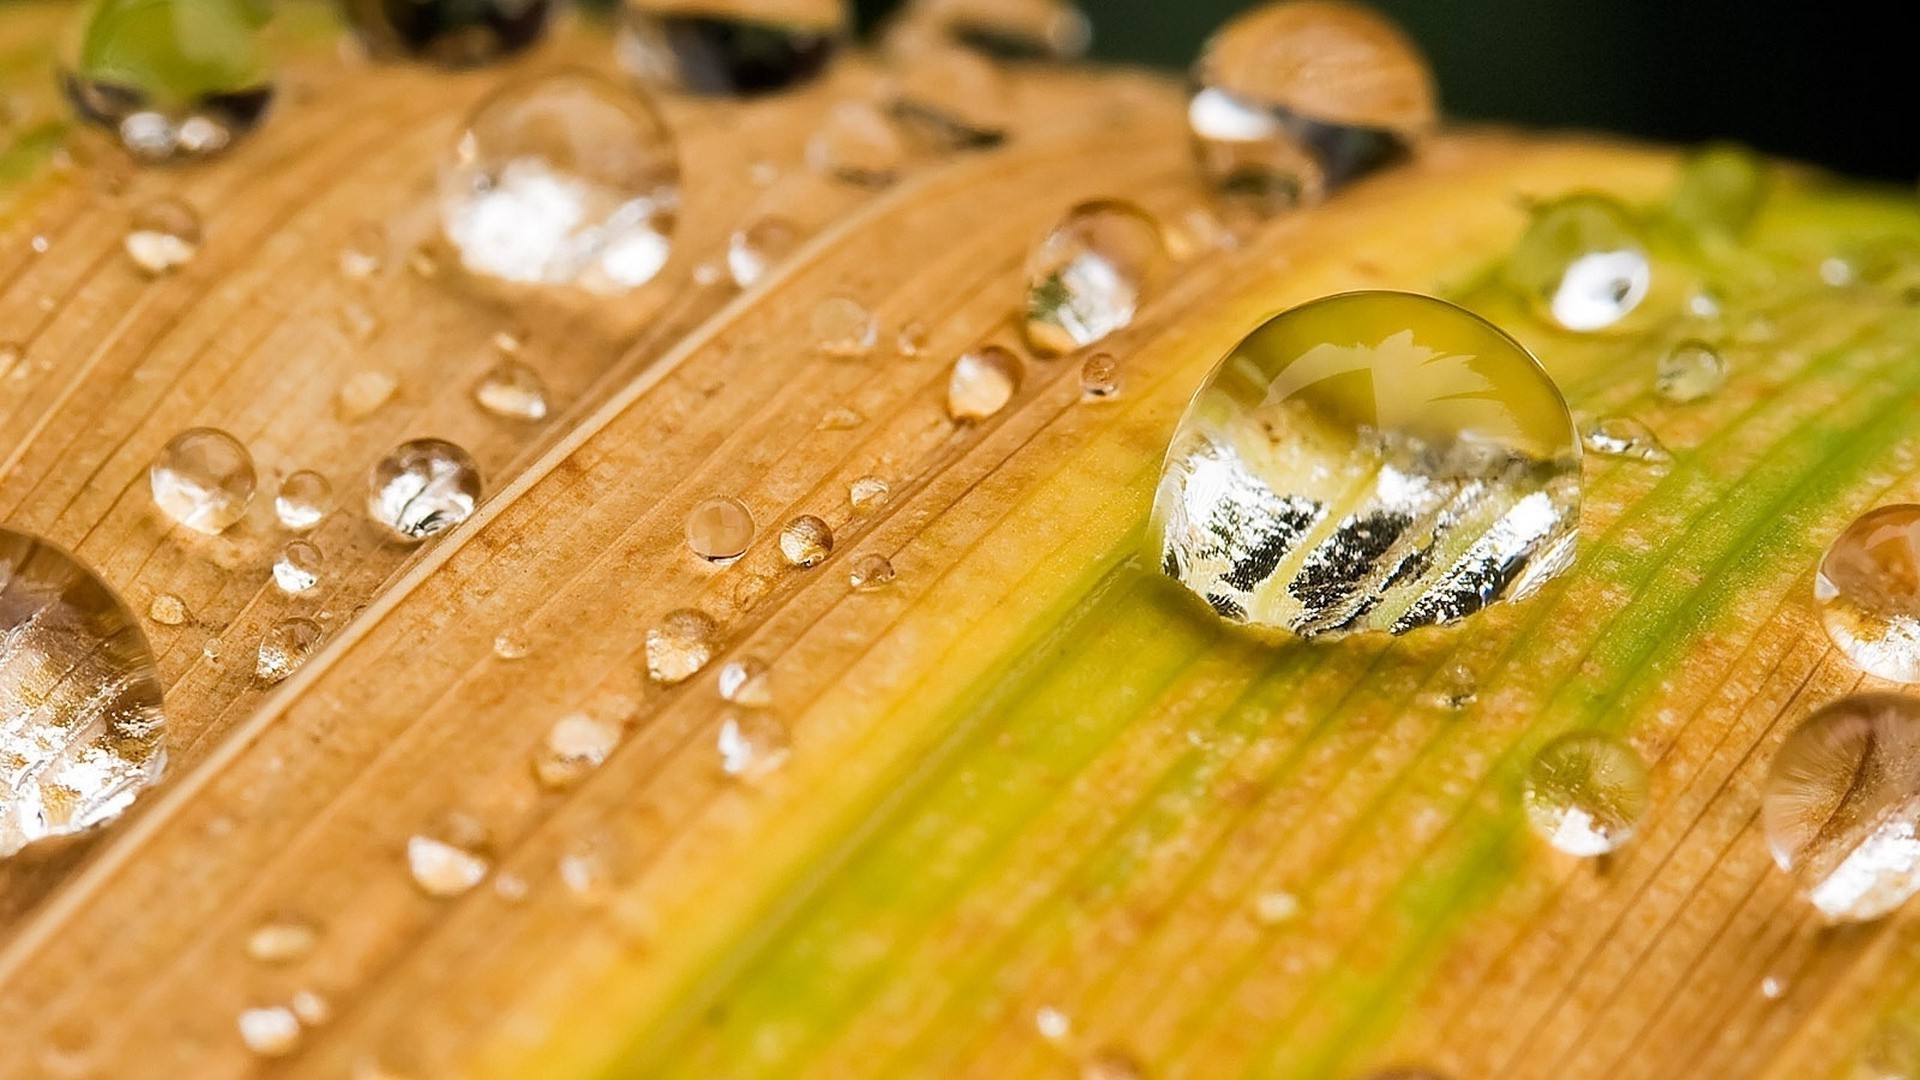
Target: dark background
column 1836, row 83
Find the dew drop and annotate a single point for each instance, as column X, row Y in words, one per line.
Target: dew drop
column 512, row 390
column 270, row 1031
column 1275, row 908
column 952, row 99
column 1453, row 689
column 1585, row 794
column 454, row 33
column 871, row 572
column 1720, row 190
column 1582, row 261
column 806, row 541
column 1867, row 591
column 718, row 48
column 857, row 144
column 363, row 393
column 1690, row 371
column 1112, row 1063
column 868, row 493
column 1841, row 806
column 444, row 870
column 511, row 644
column 575, row 745
column 1004, row 29
column 719, row 529
column 312, row 1009
column 163, row 236
column 1086, row 278
column 1625, row 437
column 680, row 645
column 298, row 568
column 282, row 941
column 759, row 246
column 591, row 869
column 365, row 251
column 752, row 745
column 747, row 681
column 1373, row 461
column 423, row 488
column 168, row 610
column 284, row 648
column 843, row 328
column 304, row 499
column 982, row 383
column 911, row 342
column 1100, row 377
column 841, row 418
column 11, row 353
column 203, row 479
column 84, row 733
column 1772, row 988
column 1052, row 1024
column 563, row 180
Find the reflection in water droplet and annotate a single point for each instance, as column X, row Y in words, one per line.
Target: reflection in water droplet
column 270, row 1031
column 456, row 33
column 1868, row 592
column 951, row 99
column 1100, row 377
column 1585, row 794
column 1625, row 437
column 1841, row 806
column 163, row 236
column 871, row 572
column 203, row 479
column 511, row 644
column 168, row 610
column 83, row 733
column 720, row 528
column 563, row 180
column 1085, row 280
column 868, row 492
column 1002, row 29
column 576, row 745
column 746, row 681
column 282, row 941
column 284, row 648
column 752, row 745
column 982, row 383
column 758, row 247
column 1690, row 371
column 363, row 393
column 512, row 390
column 717, row 49
column 856, row 143
column 842, row 328
column 806, row 541
column 681, row 645
column 443, row 870
column 303, row 501
column 298, row 568
column 1582, row 261
column 1369, row 461
column 423, row 488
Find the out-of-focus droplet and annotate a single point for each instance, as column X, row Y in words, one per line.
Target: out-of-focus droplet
column 363, row 393
column 680, row 645
column 1690, row 371
column 1000, row 29
column 1585, row 794
column 752, row 745
column 312, row 1009
column 871, row 572
column 746, row 681
column 1086, row 278
column 592, row 868
column 1868, row 592
column 455, row 33
column 868, row 492
column 303, row 501
column 719, row 48
column 951, row 98
column 1100, row 377
column 1841, row 806
column 365, row 252
column 719, row 529
column 298, row 568
column 423, row 488
column 286, row 646
column 1276, row 908
column 270, row 1030
column 1112, row 1063
column 842, row 328
column 1295, row 99
column 1625, row 437
column 84, row 733
column 982, row 383
column 11, row 353
column 443, row 870
column 575, row 745
column 282, row 941
column 168, row 610
column 359, row 321
column 758, row 246
column 841, row 418
column 512, row 390
column 163, row 236
column 1583, row 262
column 203, row 479
column 170, row 78
column 1370, row 461
column 1720, row 191
column 563, row 180
column 911, row 342
column 806, row 541
column 857, row 144
column 1052, row 1024
column 511, row 644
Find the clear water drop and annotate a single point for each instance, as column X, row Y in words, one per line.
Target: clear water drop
column 1052, row 1024
column 868, row 493
column 1085, row 280
column 270, row 1030
column 511, row 644
column 680, row 645
column 575, row 745
column 806, row 541
column 303, row 501
column 1022, row 30
column 298, row 568
column 843, row 328
column 727, row 48
column 857, row 144
column 720, row 528
column 423, row 488
column 563, row 180
column 752, row 745
column 1276, row 908
column 312, row 1009
column 454, row 33
column 1625, row 437
column 758, row 246
column 1867, row 591
column 871, row 572
column 747, row 681
column 443, row 869
column 163, row 236
column 203, row 479
column 512, row 390
column 364, row 393
column 1100, row 377
column 1691, row 370
column 1112, row 1063
column 1585, row 794
column 1372, row 461
column 84, row 732
column 592, row 868
column 365, row 252
column 11, row 353
column 951, row 98
column 911, row 342
column 168, row 610
column 1583, row 262
column 982, row 383
column 282, row 941
column 285, row 647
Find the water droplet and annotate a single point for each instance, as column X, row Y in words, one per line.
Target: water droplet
column 720, row 528
column 211, row 650
column 163, row 236
column 952, row 99
column 423, row 488
column 1454, row 689
column 11, row 353
column 282, row 941
column 911, row 342
column 1868, row 592
column 747, row 681
column 298, row 568
column 203, row 479
column 312, row 1009
column 512, row 391
column 1112, row 1063
column 982, row 383
column 455, row 33
column 1690, row 371
column 1585, row 794
column 576, row 745
column 1085, row 279
column 871, row 572
column 170, row 78
column 1274, row 908
column 510, row 887
column 591, row 869
column 1582, row 261
column 365, row 251
column 1369, row 461
column 1772, row 988
column 168, row 610
column 680, row 645
column 362, row 325
column 443, row 870
column 1293, row 100
column 511, row 644
column 1625, row 437
column 304, row 499
column 563, row 180
column 758, row 247
column 716, row 51
column 868, row 492
column 1052, row 1024
column 856, row 143
column 1004, row 29
column 806, row 541
column 1841, row 806
column 841, row 418
column 84, row 731
column 843, row 328
column 284, row 648
column 752, row 745
column 1100, row 377
column 363, row 393
column 270, row 1031
column 1720, row 190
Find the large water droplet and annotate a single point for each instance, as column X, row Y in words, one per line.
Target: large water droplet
column 1842, row 806
column 163, row 236
column 982, row 383
column 1585, row 794
column 681, row 645
column 1085, row 280
column 806, row 541
column 720, row 528
column 1369, row 461
column 203, row 479
column 1002, row 29
column 457, row 33
column 1583, row 262
column 563, row 180
column 81, row 727
column 423, row 488
column 1295, row 99
column 724, row 47
column 1868, row 592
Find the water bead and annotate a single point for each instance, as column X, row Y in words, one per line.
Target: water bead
column 857, row 144
column 720, row 528
column 758, row 246
column 168, row 610
column 871, row 572
column 982, row 383
column 562, row 180
column 746, row 681
column 423, row 488
column 270, row 1031
column 1585, row 794
column 303, row 501
column 1099, row 377
column 1841, row 806
column 843, row 328
column 806, row 541
column 680, row 645
column 911, row 341
column 1001, row 29
column 282, row 941
column 364, row 393
column 163, row 236
column 841, row 418
column 1690, row 371
column 752, row 745
column 1867, row 591
column 298, row 568
column 455, row 33
column 443, row 870
column 868, row 493
column 1720, row 191
column 312, row 1009
column 730, row 47
column 285, row 647
column 365, row 252
column 511, row 644
column 575, row 745
column 203, row 479
column 1627, row 438
column 951, row 98
column 84, row 730
column 512, row 390
column 1369, row 461
column 1086, row 277
column 1582, row 261
column 1112, row 1063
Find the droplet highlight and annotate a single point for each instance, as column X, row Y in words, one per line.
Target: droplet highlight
column 423, row 488
column 444, row 870
column 1585, row 794
column 163, row 236
column 1582, row 262
column 680, row 645
column 1085, row 280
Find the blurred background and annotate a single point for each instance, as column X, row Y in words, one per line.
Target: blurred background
column 1828, row 81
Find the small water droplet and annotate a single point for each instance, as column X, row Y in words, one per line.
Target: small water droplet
column 168, row 610
column 1052, row 1024
column 511, row 644
column 455, row 33
column 1583, row 262
column 843, row 328
column 282, row 941
column 510, row 340
column 361, row 325
column 868, row 493
column 720, row 528
column 363, row 393
column 1585, row 794
column 1838, row 272
column 1000, row 29
column 716, row 51
column 841, row 418
column 747, row 681
column 563, row 180
column 982, row 383
column 1625, row 437
column 312, row 1009
column 575, row 745
column 871, row 572
column 163, row 236
column 203, row 479
column 681, row 645
column 1112, row 1063
column 270, row 1031
column 11, row 353
column 1773, row 988
column 1086, row 278
column 285, row 647
column 510, row 887
column 1454, row 689
column 752, row 745
column 806, row 541
column 512, row 390
column 1275, row 908
column 443, row 870
column 1720, row 190
column 857, row 144
column 212, row 650
column 39, row 244
column 298, row 568
column 758, row 246
column 911, row 342
column 1868, row 592
column 1690, row 371
column 591, row 869
column 423, row 488
column 952, row 99
column 365, row 251
column 303, row 501
column 1100, row 377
